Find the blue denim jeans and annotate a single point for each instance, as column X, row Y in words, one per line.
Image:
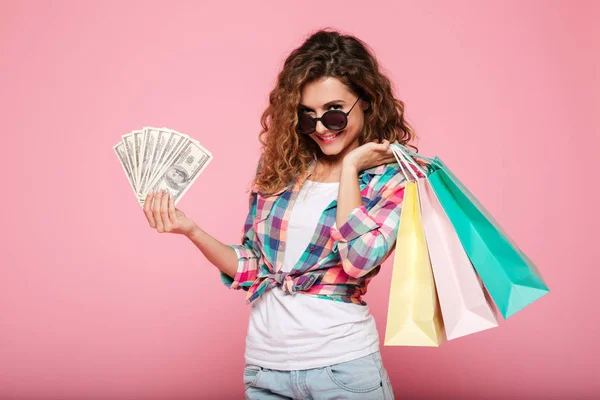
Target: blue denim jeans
column 364, row 378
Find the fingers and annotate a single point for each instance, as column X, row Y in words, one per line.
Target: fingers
column 388, row 157
column 391, row 160
column 159, row 208
column 172, row 214
column 156, row 211
column 148, row 210
column 384, row 145
column 164, row 210
column 379, row 153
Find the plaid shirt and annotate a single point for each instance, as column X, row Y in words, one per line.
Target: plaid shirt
column 338, row 263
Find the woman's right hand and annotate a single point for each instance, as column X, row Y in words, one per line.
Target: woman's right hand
column 161, row 214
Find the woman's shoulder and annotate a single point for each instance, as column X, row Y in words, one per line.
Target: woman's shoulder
column 383, row 175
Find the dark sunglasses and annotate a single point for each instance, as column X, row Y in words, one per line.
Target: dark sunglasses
column 334, row 120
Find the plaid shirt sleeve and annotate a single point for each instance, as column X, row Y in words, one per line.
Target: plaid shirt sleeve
column 247, row 253
column 368, row 236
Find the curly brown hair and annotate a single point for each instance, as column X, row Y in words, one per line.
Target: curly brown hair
column 285, row 154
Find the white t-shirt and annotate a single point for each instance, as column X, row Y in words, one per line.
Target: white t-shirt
column 288, row 332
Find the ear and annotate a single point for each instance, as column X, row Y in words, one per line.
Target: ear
column 365, row 105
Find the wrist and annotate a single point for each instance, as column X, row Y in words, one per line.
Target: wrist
column 348, row 165
column 194, row 233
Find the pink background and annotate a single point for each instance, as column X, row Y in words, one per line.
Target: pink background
column 94, row 304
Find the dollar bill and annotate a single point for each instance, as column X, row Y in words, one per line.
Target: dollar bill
column 138, row 142
column 160, row 158
column 150, row 140
column 119, row 149
column 183, row 171
column 128, row 144
column 173, row 144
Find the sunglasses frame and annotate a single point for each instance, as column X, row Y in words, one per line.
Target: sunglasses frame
column 316, row 120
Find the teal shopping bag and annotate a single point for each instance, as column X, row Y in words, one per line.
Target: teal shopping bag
column 511, row 278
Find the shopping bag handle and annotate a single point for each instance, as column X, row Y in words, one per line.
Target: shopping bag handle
column 399, row 158
column 410, row 161
column 412, row 153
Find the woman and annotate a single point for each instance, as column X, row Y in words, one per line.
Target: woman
column 324, row 213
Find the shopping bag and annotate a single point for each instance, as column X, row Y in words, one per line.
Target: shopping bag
column 511, row 278
column 465, row 306
column 414, row 315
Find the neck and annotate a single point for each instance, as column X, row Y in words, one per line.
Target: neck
column 326, row 170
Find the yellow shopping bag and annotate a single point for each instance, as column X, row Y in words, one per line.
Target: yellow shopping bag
column 414, row 317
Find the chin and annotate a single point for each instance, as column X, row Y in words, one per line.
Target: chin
column 332, row 148
column 328, row 151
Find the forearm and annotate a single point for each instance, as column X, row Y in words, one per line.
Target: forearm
column 219, row 254
column 365, row 234
column 349, row 196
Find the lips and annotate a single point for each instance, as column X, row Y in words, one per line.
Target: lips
column 329, row 138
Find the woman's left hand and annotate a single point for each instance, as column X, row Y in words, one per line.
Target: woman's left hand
column 370, row 155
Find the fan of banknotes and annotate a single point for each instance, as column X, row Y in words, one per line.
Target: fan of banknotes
column 155, row 159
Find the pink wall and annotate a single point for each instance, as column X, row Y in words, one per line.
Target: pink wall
column 96, row 305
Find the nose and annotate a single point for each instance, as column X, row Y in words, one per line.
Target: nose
column 320, row 129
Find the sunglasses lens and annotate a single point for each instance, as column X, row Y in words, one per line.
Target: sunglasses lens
column 306, row 124
column 334, row 120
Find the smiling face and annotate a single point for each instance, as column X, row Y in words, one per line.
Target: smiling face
column 331, row 94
